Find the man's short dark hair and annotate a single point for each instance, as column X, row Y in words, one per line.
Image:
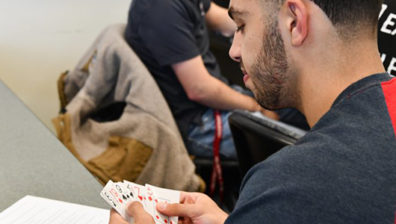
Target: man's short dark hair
column 351, row 15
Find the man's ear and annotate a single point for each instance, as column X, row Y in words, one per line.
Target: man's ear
column 297, row 20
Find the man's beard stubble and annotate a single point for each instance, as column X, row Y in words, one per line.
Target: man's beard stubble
column 269, row 71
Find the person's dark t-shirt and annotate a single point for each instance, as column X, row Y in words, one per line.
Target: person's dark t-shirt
column 165, row 32
column 342, row 171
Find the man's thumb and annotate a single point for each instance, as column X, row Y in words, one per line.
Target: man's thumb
column 136, row 210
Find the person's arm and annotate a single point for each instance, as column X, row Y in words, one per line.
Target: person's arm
column 205, row 89
column 217, row 19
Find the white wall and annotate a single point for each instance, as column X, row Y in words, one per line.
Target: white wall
column 40, row 39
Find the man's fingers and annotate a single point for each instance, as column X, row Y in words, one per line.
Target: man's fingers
column 191, row 196
column 183, row 196
column 136, row 210
column 113, row 212
column 115, row 218
column 183, row 210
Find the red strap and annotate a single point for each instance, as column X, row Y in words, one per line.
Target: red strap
column 216, row 172
column 389, row 89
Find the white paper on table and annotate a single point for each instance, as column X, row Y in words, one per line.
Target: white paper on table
column 34, row 210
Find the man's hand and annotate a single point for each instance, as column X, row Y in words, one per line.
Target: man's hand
column 194, row 208
column 265, row 112
column 135, row 210
column 270, row 114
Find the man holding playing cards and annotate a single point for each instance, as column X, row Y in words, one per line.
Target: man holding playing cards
column 320, row 57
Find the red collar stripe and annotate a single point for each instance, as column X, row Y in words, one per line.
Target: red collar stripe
column 389, row 89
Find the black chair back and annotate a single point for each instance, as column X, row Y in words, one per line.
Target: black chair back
column 256, row 137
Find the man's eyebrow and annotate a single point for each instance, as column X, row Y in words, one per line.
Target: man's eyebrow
column 235, row 13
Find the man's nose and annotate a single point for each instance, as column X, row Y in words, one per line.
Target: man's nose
column 235, row 50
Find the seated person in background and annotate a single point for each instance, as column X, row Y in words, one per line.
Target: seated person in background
column 171, row 38
column 322, row 58
column 387, row 35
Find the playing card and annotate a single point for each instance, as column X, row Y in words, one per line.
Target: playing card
column 129, row 186
column 150, row 203
column 126, row 193
column 120, row 193
column 172, row 196
column 114, row 199
column 138, row 190
column 166, row 196
column 108, row 198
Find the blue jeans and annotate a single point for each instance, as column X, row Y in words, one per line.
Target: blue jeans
column 200, row 137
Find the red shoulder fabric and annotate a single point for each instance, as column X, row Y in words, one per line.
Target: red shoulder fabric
column 389, row 89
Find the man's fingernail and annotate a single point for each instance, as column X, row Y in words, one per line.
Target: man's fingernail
column 162, row 205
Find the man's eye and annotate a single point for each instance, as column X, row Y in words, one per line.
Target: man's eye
column 240, row 28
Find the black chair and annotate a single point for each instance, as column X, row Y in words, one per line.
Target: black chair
column 256, row 137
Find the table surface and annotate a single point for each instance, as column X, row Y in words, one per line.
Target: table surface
column 34, row 162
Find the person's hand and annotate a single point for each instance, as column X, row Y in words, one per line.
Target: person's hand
column 116, row 218
column 194, row 208
column 270, row 114
column 135, row 210
column 265, row 112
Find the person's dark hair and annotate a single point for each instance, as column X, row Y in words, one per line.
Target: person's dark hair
column 350, row 15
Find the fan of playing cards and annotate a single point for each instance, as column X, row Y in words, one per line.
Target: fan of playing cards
column 120, row 193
